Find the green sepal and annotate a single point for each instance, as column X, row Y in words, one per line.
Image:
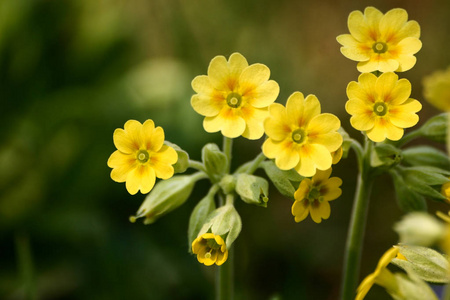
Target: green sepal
column 407, row 199
column 199, row 215
column 411, row 287
column 426, row 156
column 215, row 161
column 385, row 155
column 183, row 158
column 421, row 180
column 285, row 181
column 224, row 221
column 166, row 196
column 426, row 263
column 252, row 189
column 435, row 128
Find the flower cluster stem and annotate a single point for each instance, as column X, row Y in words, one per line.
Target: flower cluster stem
column 26, row 267
column 227, row 149
column 355, row 237
column 224, row 278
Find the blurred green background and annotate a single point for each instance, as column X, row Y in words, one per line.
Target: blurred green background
column 72, row 71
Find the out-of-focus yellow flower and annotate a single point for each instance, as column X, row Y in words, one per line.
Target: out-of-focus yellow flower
column 141, row 156
column 385, row 43
column 300, row 136
column 313, row 195
column 436, row 89
column 234, row 97
column 381, row 106
column 382, row 276
column 445, row 190
column 210, row 249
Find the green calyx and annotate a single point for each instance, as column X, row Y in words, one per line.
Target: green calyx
column 234, row 100
column 379, row 47
column 142, row 156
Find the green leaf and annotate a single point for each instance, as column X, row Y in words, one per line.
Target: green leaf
column 436, row 128
column 407, row 199
column 282, row 180
column 215, row 161
column 426, row 156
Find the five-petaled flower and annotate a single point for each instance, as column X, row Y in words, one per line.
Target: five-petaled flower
column 210, row 249
column 382, row 276
column 313, row 195
column 300, row 137
column 381, row 106
column 385, row 43
column 234, row 97
column 141, row 156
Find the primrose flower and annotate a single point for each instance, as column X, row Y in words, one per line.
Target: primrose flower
column 381, row 106
column 313, row 195
column 141, row 156
column 234, row 97
column 210, row 249
column 382, row 276
column 385, row 43
column 436, row 89
column 300, row 137
column 445, row 190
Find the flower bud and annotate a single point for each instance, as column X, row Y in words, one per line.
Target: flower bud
column 166, row 196
column 224, row 221
column 385, row 155
column 215, row 161
column 183, row 158
column 436, row 128
column 426, row 263
column 282, row 180
column 252, row 189
column 419, row 229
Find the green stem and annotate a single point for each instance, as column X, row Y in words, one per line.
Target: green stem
column 356, row 231
column 227, row 149
column 197, row 165
column 26, row 268
column 254, row 164
column 224, row 280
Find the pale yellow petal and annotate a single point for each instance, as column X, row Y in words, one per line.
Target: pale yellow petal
column 332, row 141
column 207, row 105
column 122, row 164
column 140, row 178
column 237, row 64
column 321, row 176
column 254, row 120
column 287, row 158
column 392, row 22
column 277, row 126
column 162, row 162
column 303, row 189
column 323, row 124
column 271, row 148
column 123, row 142
column 252, row 77
column 357, row 26
column 320, row 155
column 409, row 45
column 400, row 93
column 406, row 62
column 385, row 84
column 294, row 108
column 352, row 49
column 153, row 138
column 373, row 17
column 264, row 94
column 356, row 106
column 315, row 212
column 219, row 74
column 306, row 166
column 410, row 29
column 325, row 210
column 311, row 108
column 383, row 129
column 202, row 85
column 227, row 121
column 404, row 115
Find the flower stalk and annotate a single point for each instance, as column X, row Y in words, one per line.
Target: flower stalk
column 224, row 278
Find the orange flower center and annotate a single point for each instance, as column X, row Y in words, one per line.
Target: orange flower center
column 380, row 109
column 142, row 156
column 379, row 47
column 234, row 100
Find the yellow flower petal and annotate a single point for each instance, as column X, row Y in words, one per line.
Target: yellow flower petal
column 300, row 210
column 321, row 176
column 400, row 93
column 153, row 137
column 353, row 49
column 311, row 109
column 229, row 123
column 330, row 190
column 219, row 74
column 277, row 126
column 392, row 22
column 406, row 62
column 404, row 115
column 202, row 85
column 385, row 84
column 122, row 164
column 410, row 29
column 254, row 119
column 357, row 26
column 409, row 45
column 294, row 108
column 287, row 158
column 264, row 94
column 303, row 189
column 162, row 162
column 253, row 76
column 123, row 142
column 316, row 211
column 383, row 129
column 140, row 178
column 206, row 105
column 323, row 124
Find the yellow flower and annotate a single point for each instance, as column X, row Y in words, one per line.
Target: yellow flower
column 300, row 137
column 436, row 89
column 337, row 155
column 386, row 43
column 234, row 97
column 210, row 249
column 141, row 156
column 382, row 276
column 381, row 106
column 313, row 196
